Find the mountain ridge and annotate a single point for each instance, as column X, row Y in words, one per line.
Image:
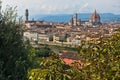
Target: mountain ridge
column 105, row 17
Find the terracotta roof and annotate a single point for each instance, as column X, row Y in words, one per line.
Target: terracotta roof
column 95, row 15
column 69, row 55
column 70, row 61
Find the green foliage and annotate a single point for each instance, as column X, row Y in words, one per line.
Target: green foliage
column 13, row 53
column 43, row 52
column 50, row 68
column 104, row 58
column 63, row 48
column 10, row 14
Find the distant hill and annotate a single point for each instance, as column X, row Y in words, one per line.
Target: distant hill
column 105, row 17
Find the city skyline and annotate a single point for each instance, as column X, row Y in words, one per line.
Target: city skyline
column 64, row 6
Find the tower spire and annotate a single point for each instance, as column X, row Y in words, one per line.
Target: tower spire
column 95, row 11
column 75, row 19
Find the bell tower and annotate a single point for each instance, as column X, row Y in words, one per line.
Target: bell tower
column 26, row 15
column 75, row 19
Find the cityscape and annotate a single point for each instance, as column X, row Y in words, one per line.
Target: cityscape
column 59, row 40
column 67, row 34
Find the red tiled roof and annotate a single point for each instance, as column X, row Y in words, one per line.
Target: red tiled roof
column 95, row 15
column 70, row 61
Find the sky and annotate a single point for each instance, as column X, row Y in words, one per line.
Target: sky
column 36, row 7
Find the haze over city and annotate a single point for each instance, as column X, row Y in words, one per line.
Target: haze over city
column 64, row 6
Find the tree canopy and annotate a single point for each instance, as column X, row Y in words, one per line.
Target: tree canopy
column 13, row 53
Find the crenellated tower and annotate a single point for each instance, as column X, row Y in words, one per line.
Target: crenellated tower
column 26, row 15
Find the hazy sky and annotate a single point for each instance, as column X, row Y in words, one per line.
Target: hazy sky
column 64, row 6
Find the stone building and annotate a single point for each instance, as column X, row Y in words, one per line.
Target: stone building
column 95, row 18
column 26, row 15
column 75, row 21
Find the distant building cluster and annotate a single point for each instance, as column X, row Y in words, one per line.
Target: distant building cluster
column 66, row 34
column 94, row 20
column 74, row 21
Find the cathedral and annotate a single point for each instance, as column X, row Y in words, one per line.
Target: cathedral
column 95, row 18
column 93, row 21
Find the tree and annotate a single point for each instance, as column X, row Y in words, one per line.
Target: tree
column 103, row 58
column 50, row 68
column 13, row 53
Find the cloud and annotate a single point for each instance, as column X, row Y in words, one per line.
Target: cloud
column 63, row 6
column 83, row 7
column 50, row 9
